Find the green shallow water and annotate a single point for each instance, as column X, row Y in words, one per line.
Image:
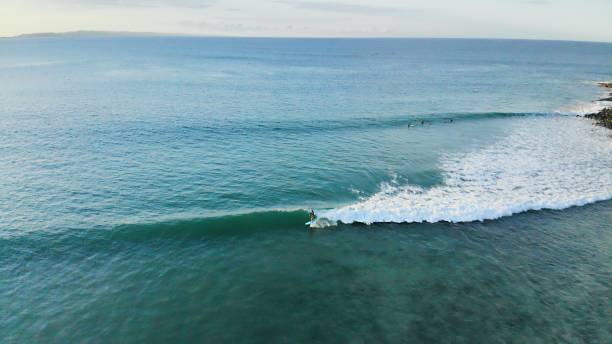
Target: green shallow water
column 535, row 277
column 155, row 189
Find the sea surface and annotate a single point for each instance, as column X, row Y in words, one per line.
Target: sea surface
column 156, row 189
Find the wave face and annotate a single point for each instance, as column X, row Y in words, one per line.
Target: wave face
column 544, row 163
column 227, row 225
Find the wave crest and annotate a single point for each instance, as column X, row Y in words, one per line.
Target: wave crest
column 545, row 163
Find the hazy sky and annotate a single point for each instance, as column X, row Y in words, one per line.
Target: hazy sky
column 551, row 19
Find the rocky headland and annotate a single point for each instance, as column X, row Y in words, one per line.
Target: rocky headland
column 604, row 116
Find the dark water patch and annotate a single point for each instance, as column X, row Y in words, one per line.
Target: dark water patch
column 230, row 225
column 360, row 123
column 141, row 130
column 541, row 275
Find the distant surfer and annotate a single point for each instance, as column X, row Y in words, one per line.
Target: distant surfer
column 312, row 215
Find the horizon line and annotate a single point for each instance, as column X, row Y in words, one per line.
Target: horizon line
column 177, row 34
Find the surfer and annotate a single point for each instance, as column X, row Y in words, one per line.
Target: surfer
column 312, row 215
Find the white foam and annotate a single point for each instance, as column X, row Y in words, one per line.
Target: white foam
column 30, row 64
column 584, row 108
column 544, row 163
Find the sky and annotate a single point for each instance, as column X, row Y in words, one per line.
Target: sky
column 589, row 20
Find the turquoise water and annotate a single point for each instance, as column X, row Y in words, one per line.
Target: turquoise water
column 156, row 189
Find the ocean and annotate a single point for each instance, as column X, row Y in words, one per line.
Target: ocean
column 156, row 189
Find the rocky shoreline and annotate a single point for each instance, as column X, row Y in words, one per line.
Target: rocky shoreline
column 604, row 116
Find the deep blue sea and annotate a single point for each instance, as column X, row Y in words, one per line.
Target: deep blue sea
column 156, row 189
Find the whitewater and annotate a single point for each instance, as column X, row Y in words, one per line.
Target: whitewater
column 552, row 162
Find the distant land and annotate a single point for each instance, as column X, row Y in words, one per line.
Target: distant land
column 93, row 33
column 87, row 33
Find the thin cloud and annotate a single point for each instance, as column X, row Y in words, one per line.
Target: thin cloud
column 340, row 7
column 535, row 2
column 231, row 27
column 143, row 3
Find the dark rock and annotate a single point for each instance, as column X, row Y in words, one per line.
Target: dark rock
column 603, row 117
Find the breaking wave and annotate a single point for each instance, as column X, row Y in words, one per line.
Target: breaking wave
column 545, row 163
column 584, row 108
